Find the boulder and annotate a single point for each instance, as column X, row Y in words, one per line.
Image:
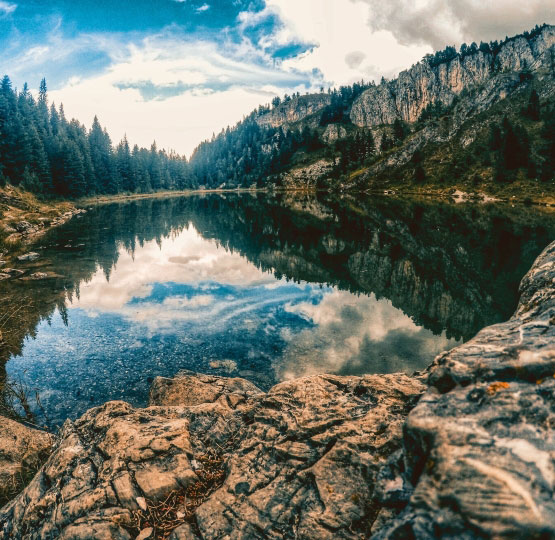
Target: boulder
column 479, row 446
column 31, row 256
column 307, row 461
column 188, row 388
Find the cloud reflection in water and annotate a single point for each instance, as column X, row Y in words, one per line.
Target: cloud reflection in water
column 186, row 303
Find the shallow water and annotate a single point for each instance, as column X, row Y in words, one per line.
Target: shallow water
column 266, row 288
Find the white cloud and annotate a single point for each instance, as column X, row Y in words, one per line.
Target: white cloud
column 339, row 29
column 181, row 121
column 6, row 8
column 445, row 22
column 204, row 7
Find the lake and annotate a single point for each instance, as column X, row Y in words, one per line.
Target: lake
column 265, row 287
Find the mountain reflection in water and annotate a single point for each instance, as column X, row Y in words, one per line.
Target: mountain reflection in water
column 264, row 287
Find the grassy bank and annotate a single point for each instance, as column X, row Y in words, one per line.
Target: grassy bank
column 24, row 217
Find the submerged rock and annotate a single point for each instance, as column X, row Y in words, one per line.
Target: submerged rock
column 31, row 256
column 12, row 272
column 38, row 275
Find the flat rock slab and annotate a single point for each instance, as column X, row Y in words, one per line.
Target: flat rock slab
column 308, row 460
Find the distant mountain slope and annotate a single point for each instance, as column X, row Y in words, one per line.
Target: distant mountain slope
column 434, row 123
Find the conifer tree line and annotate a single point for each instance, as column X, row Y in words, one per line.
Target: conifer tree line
column 250, row 154
column 491, row 48
column 44, row 152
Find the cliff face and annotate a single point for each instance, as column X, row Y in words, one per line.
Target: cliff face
column 407, row 96
column 294, row 110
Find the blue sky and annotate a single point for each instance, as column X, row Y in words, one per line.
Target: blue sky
column 178, row 70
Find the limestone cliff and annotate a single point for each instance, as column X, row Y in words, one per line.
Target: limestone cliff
column 423, row 84
column 294, row 110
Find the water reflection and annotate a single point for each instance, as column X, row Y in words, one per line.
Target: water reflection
column 262, row 287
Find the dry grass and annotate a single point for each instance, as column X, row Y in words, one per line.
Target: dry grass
column 17, row 205
column 179, row 506
column 15, row 484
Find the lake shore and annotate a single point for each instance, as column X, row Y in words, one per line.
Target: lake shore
column 462, row 447
column 25, row 217
column 452, row 193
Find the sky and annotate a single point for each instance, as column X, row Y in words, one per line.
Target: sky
column 176, row 71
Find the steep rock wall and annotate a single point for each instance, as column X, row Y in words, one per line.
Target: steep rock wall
column 414, row 89
column 294, row 110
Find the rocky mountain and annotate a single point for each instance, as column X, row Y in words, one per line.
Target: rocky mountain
column 426, row 83
column 407, row 96
column 294, row 110
column 366, row 135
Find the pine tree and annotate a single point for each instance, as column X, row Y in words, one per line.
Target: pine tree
column 399, row 133
column 533, row 108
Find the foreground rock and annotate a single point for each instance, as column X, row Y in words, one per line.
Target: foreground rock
column 22, row 451
column 307, row 465
column 479, row 446
column 299, row 461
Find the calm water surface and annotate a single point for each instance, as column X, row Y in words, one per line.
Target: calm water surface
column 266, row 288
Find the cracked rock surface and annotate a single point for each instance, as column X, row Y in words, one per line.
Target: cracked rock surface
column 299, row 461
column 22, row 450
column 479, row 446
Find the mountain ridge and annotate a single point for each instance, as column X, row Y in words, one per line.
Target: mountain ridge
column 346, row 138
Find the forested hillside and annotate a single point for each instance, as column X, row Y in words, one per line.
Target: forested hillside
column 478, row 118
column 43, row 152
column 482, row 117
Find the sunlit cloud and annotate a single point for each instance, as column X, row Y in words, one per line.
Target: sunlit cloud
column 446, row 22
column 354, row 335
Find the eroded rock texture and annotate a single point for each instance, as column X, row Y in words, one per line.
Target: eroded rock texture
column 307, row 464
column 295, row 110
column 300, row 461
column 22, row 451
column 421, row 85
column 479, row 446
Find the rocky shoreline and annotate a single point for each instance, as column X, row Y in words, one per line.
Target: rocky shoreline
column 464, row 450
